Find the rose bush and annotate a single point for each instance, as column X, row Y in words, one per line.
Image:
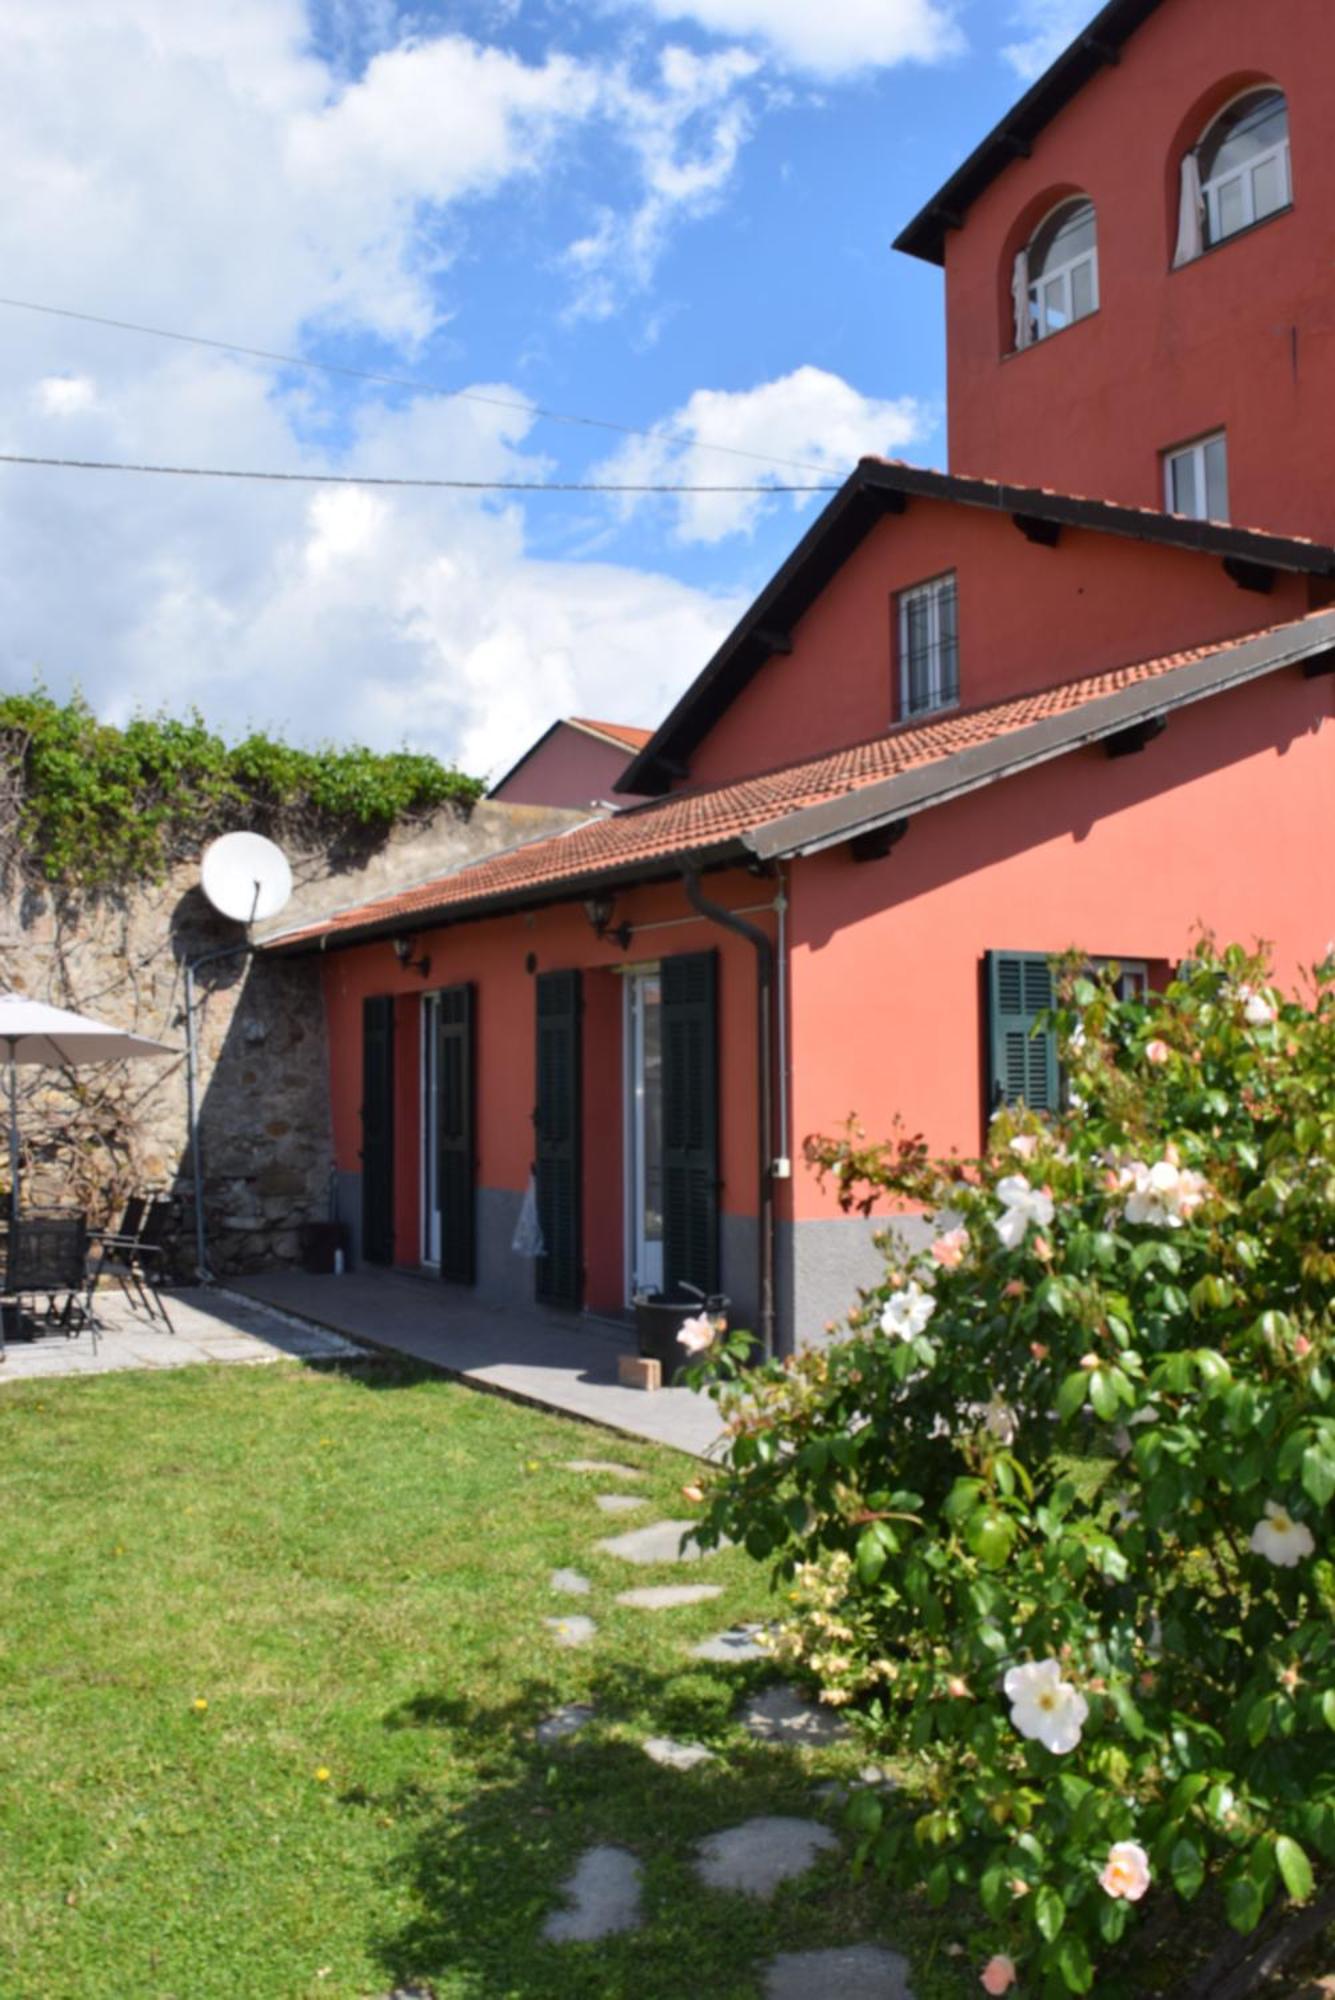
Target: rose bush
column 1052, row 1515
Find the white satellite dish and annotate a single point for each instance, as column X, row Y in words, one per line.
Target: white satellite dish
column 245, row 877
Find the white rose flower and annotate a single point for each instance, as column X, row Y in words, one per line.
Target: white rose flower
column 1162, row 1196
column 1022, row 1205
column 695, row 1335
column 1258, row 1010
column 1044, row 1707
column 1280, row 1539
column 907, row 1312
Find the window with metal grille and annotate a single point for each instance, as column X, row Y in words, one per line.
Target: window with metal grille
column 1196, row 479
column 929, row 674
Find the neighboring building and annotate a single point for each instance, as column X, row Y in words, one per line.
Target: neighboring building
column 967, row 726
column 574, row 763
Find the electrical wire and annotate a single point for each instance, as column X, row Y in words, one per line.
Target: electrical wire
column 409, row 382
column 375, row 479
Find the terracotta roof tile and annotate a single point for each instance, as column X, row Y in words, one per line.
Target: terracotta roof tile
column 620, row 732
column 700, row 822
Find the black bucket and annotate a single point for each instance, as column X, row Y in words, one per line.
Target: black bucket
column 658, row 1321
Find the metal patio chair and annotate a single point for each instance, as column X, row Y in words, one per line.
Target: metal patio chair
column 46, row 1257
column 133, row 1254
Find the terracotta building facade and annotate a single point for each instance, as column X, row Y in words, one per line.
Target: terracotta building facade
column 1054, row 711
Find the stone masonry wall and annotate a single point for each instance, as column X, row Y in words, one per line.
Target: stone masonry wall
column 93, row 1135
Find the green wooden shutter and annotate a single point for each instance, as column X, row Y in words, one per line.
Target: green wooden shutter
column 557, row 1128
column 456, row 1179
column 690, row 1122
column 1023, row 1063
column 378, row 1129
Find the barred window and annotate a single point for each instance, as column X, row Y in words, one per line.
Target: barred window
column 928, row 647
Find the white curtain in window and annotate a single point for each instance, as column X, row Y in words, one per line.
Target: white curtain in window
column 1191, row 213
column 1020, row 295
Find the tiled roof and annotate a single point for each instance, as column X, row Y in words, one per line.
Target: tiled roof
column 619, row 732
column 713, row 824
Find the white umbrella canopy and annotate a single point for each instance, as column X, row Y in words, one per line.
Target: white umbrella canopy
column 32, row 1031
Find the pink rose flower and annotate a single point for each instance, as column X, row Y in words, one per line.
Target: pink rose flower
column 999, row 1974
column 1157, row 1051
column 1128, row 1871
column 950, row 1250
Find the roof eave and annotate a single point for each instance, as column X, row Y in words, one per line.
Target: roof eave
column 832, row 824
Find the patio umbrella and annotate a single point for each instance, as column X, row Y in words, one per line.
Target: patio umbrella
column 33, row 1032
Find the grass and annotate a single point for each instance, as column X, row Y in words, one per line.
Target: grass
column 350, row 1570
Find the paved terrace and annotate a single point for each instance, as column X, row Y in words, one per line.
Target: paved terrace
column 204, row 1327
column 558, row 1361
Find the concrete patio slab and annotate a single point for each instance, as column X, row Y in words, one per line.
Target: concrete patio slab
column 206, row 1326
column 558, row 1361
column 853, row 1972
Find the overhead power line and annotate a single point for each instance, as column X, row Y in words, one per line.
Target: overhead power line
column 551, row 416
column 377, row 479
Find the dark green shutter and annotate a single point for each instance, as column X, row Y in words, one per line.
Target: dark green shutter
column 557, row 1122
column 378, row 1129
column 456, row 1179
column 690, row 1122
column 1023, row 1063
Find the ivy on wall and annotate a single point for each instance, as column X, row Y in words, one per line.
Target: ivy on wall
column 93, row 806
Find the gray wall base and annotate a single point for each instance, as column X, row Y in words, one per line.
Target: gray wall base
column 823, row 1265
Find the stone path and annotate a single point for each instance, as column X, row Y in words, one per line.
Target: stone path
column 855, row 1972
column 658, row 1543
column 756, row 1857
column 604, row 1898
column 608, row 1467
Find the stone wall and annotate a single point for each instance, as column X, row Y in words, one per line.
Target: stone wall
column 93, row 1135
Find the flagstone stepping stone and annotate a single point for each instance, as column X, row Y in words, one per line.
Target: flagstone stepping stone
column 620, row 1503
column 782, row 1715
column 850, row 1972
column 658, row 1543
column 608, row 1466
column 573, row 1631
column 677, row 1756
column 565, row 1721
column 756, row 1857
column 571, row 1582
column 604, row 1898
column 667, row 1596
column 744, row 1642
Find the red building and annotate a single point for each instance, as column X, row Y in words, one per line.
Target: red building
column 574, row 763
column 967, row 726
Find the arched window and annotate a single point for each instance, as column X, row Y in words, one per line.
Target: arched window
column 1056, row 277
column 1238, row 174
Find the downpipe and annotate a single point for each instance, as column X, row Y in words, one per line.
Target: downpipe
column 764, row 950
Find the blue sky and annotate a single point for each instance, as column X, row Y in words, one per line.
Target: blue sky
column 672, row 214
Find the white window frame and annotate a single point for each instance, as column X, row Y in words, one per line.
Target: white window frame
column 1064, row 275
column 1194, row 454
column 1211, row 190
column 933, row 594
column 1133, row 975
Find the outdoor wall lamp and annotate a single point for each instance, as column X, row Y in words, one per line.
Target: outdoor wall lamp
column 403, row 951
column 598, row 910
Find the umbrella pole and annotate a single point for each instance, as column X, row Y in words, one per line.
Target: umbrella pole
column 13, row 1136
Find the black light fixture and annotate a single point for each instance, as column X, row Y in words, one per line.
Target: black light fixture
column 403, row 951
column 598, row 910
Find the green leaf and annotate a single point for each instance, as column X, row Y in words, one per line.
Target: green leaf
column 1071, row 1396
column 1103, row 1394
column 1049, row 1912
column 990, row 1536
column 1243, row 1903
column 872, row 1553
column 1187, row 1867
column 964, row 1496
column 1073, row 1962
column 1328, row 1707
column 863, row 1814
column 1294, row 1867
column 1318, row 1475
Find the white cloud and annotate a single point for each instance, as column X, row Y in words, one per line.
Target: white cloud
column 686, row 136
column 197, row 166
column 829, row 38
column 1045, row 28
column 814, row 419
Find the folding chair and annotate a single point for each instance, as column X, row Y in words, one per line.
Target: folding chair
column 133, row 1252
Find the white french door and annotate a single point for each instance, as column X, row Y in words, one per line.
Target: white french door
column 644, row 1132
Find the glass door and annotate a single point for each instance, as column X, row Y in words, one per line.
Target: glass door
column 644, row 1151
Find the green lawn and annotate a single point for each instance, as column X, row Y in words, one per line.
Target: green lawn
column 350, row 1570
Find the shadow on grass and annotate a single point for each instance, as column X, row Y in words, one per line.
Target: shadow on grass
column 488, row 1871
